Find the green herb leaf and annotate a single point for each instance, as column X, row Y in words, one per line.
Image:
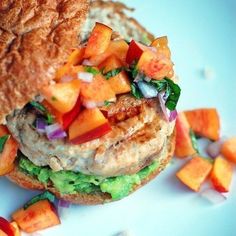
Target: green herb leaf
column 132, row 70
column 135, row 91
column 112, row 73
column 193, row 140
column 43, row 196
column 50, row 119
column 91, row 70
column 38, row 106
column 107, row 103
column 3, row 140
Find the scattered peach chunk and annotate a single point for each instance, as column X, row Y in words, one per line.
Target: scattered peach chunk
column 90, row 124
column 95, row 93
column 161, row 44
column 120, row 82
column 194, row 172
column 118, row 48
column 204, row 122
column 62, row 96
column 228, row 149
column 183, row 145
column 38, row 216
column 135, row 51
column 221, row 174
column 9, row 152
column 15, row 228
column 99, row 40
column 76, row 56
column 154, row 66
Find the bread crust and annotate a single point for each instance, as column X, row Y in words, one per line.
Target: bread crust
column 28, row 182
column 36, row 38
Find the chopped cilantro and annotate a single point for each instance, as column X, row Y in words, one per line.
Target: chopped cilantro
column 3, row 140
column 135, row 91
column 43, row 196
column 112, row 73
column 193, row 140
column 38, row 106
column 107, row 103
column 49, row 119
column 91, row 70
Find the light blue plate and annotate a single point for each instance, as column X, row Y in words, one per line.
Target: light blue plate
column 202, row 34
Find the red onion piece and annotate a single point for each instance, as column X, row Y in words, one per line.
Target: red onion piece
column 55, row 131
column 85, row 77
column 63, row 208
column 213, row 149
column 41, row 125
column 86, row 62
column 173, row 115
column 147, row 90
column 213, row 196
column 66, row 78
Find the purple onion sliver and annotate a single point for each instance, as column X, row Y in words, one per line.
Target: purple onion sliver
column 173, row 115
column 213, row 149
column 55, row 131
column 40, row 125
column 63, row 203
column 163, row 106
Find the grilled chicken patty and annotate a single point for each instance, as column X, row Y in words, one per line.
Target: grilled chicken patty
column 139, row 133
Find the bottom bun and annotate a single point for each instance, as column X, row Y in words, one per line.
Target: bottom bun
column 28, row 182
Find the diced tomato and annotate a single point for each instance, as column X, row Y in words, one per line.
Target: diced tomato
column 62, row 96
column 221, row 175
column 119, row 83
column 89, row 124
column 204, row 122
column 38, row 216
column 6, row 228
column 9, row 153
column 118, row 48
column 194, row 172
column 183, row 145
column 154, row 66
column 135, row 51
column 99, row 40
column 95, row 93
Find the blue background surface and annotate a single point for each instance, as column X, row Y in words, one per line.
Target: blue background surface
column 202, row 34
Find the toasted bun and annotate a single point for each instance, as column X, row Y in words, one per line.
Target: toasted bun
column 113, row 14
column 36, row 38
column 26, row 181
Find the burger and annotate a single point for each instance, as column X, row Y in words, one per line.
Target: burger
column 88, row 100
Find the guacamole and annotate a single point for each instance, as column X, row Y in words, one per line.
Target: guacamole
column 68, row 182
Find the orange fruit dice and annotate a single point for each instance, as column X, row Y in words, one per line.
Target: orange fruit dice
column 194, row 172
column 161, row 44
column 221, row 175
column 228, row 149
column 62, row 96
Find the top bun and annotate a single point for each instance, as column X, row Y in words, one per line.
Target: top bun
column 35, row 39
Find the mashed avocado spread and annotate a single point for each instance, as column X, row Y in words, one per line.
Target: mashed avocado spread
column 68, row 182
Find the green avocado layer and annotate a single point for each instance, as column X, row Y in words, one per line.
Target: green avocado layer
column 68, row 182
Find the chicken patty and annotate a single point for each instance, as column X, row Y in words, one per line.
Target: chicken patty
column 139, row 133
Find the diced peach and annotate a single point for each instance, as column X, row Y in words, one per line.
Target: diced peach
column 9, row 152
column 221, row 175
column 62, row 96
column 63, row 71
column 118, row 48
column 89, row 124
column 38, row 216
column 135, row 51
column 76, row 56
column 6, row 228
column 204, row 122
column 194, row 172
column 98, row 41
column 95, row 93
column 15, row 228
column 154, row 66
column 183, row 145
column 161, row 44
column 228, row 149
column 119, row 83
